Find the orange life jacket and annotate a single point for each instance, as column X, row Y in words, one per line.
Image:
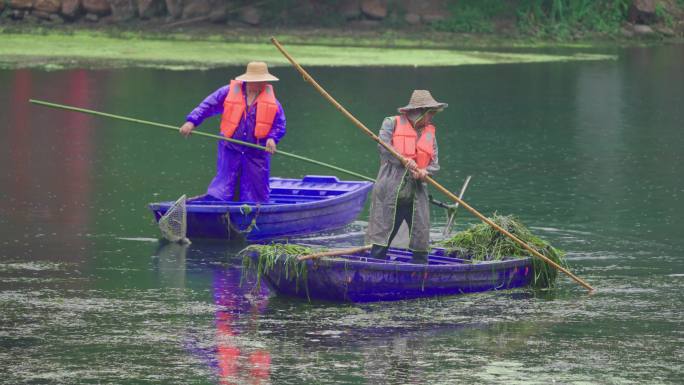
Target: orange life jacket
column 405, row 141
column 234, row 107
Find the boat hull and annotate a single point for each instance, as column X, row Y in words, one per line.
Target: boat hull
column 362, row 279
column 297, row 207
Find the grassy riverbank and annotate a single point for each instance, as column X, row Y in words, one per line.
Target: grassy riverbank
column 56, row 49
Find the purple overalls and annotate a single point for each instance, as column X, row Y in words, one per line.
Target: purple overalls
column 244, row 167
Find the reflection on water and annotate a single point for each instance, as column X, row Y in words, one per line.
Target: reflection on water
column 234, row 296
column 587, row 154
column 233, row 363
column 384, row 341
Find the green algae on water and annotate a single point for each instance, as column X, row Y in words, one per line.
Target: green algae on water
column 55, row 50
column 481, row 242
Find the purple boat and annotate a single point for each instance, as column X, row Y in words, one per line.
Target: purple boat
column 296, row 207
column 357, row 278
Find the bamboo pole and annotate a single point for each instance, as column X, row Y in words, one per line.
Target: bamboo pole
column 429, row 179
column 333, row 253
column 231, row 140
column 168, row 126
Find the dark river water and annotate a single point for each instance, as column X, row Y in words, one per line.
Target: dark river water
column 588, row 154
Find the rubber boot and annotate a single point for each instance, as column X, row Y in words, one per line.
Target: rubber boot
column 420, row 257
column 378, row 252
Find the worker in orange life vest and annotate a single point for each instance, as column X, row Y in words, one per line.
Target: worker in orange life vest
column 400, row 193
column 250, row 113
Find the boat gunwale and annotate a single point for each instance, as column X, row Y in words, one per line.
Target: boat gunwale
column 222, row 207
column 390, row 265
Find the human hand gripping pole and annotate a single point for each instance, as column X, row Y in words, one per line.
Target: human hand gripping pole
column 271, row 146
column 428, row 179
column 186, row 129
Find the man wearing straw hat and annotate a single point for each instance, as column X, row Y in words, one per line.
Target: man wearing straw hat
column 400, row 193
column 249, row 113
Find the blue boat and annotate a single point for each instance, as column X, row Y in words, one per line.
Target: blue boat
column 357, row 278
column 296, row 207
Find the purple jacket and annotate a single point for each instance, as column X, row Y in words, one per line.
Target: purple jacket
column 213, row 105
column 250, row 167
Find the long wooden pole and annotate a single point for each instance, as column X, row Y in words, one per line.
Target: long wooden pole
column 431, row 181
column 332, row 253
column 231, row 140
column 161, row 125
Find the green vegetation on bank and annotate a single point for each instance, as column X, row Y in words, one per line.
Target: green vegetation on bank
column 467, row 32
column 555, row 19
column 563, row 18
column 85, row 48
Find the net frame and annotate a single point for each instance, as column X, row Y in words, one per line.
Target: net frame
column 174, row 223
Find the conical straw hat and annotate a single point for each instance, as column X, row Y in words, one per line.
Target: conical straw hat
column 257, row 71
column 422, row 99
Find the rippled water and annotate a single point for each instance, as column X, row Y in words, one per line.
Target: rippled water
column 587, row 154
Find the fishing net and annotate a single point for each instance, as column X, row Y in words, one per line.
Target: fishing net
column 173, row 224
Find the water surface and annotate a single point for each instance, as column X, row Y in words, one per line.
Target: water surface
column 586, row 153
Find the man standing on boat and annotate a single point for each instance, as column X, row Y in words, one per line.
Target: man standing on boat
column 250, row 113
column 400, row 194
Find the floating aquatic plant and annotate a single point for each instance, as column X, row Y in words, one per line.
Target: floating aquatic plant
column 262, row 259
column 481, row 242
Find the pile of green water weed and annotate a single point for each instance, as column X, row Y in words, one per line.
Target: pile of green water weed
column 262, row 259
column 481, row 242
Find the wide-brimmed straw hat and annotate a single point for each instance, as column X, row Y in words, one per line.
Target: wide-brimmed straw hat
column 257, row 71
column 422, row 99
